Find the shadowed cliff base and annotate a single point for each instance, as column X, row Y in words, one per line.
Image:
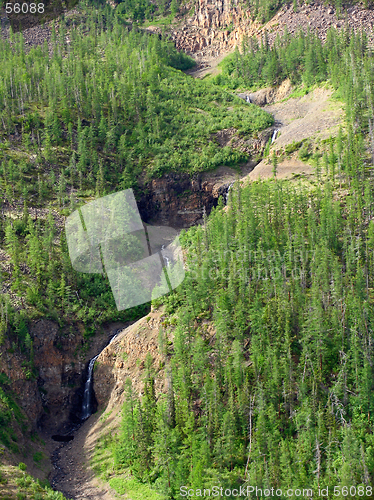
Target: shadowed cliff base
column 73, row 475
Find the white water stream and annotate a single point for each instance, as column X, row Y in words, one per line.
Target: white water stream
column 88, row 386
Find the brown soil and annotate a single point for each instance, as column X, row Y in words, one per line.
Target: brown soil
column 122, row 359
column 286, row 168
column 314, row 115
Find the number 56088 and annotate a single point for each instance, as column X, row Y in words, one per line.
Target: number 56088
column 24, row 8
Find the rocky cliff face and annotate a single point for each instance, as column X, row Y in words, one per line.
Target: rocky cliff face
column 52, row 400
column 216, row 26
column 179, row 201
column 126, row 356
column 125, row 359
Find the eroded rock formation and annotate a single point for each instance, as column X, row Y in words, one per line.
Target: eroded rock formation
column 125, row 358
column 216, row 27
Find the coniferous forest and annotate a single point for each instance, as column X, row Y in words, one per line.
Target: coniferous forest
column 267, row 345
column 96, row 115
column 282, row 392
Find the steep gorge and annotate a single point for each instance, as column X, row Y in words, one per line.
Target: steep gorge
column 50, row 395
column 179, row 200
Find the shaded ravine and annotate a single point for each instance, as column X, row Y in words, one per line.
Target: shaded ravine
column 72, row 474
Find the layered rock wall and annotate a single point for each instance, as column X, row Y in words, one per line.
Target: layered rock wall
column 216, row 26
column 51, row 399
column 125, row 358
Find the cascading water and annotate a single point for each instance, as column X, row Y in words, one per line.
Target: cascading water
column 88, row 386
column 228, row 192
column 166, row 259
column 59, row 453
column 274, row 136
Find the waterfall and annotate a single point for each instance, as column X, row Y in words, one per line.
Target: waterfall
column 248, row 99
column 88, row 386
column 228, row 192
column 87, row 396
column 166, row 259
column 274, row 136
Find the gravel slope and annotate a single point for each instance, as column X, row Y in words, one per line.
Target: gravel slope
column 73, row 475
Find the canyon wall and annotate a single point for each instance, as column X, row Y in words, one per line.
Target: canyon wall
column 125, row 358
column 208, row 29
column 179, row 200
column 51, row 396
column 216, row 26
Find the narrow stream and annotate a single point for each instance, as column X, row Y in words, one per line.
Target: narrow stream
column 227, row 194
column 88, row 390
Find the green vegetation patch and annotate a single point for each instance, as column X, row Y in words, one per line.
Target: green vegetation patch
column 125, row 111
column 134, row 489
column 302, row 58
column 10, row 412
column 109, row 110
column 261, row 308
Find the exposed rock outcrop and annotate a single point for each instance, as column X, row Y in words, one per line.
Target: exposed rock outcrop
column 179, row 201
column 269, row 95
column 60, row 358
column 125, row 358
column 218, row 26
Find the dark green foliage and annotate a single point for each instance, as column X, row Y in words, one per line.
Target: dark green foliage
column 301, row 58
column 9, row 410
column 272, row 328
column 269, row 375
column 106, row 110
column 93, row 117
column 304, row 151
column 137, row 10
column 288, row 367
column 294, row 146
